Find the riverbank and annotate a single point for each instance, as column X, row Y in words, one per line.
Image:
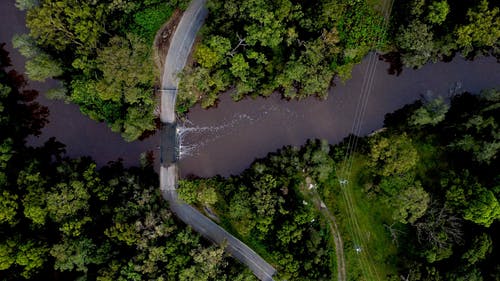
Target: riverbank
column 83, row 136
column 252, row 128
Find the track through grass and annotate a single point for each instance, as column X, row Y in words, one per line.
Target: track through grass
column 368, row 248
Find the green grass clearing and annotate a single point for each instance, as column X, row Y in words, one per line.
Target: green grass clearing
column 361, row 221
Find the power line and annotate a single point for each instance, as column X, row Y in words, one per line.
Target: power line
column 344, row 180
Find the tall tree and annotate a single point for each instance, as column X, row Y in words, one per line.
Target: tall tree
column 482, row 29
column 394, row 155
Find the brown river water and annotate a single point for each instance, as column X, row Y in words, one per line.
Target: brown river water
column 225, row 140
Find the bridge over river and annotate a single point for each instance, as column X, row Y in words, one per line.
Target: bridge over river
column 180, row 46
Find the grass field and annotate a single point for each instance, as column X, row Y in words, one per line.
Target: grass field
column 368, row 247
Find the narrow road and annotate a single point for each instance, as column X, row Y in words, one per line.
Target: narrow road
column 218, row 235
column 180, row 47
column 178, row 52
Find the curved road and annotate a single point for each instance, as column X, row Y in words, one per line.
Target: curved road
column 180, row 47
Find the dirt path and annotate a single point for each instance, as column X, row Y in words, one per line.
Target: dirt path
column 337, row 238
column 339, row 244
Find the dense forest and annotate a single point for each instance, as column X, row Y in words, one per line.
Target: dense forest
column 297, row 47
column 64, row 219
column 426, row 31
column 293, row 47
column 440, row 175
column 101, row 51
column 265, row 208
column 418, row 200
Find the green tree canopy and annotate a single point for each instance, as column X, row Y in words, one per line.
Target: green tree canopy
column 260, row 47
column 431, row 112
column 438, row 11
column 394, row 155
column 483, row 27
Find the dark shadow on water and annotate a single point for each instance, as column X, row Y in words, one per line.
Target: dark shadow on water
column 82, row 135
column 4, row 56
column 395, row 63
column 398, row 118
column 149, row 133
column 28, row 117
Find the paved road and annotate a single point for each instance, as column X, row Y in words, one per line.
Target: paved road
column 218, row 235
column 178, row 52
column 180, row 46
column 168, row 98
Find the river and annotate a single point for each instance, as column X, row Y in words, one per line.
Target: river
column 232, row 135
column 82, row 136
column 277, row 123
